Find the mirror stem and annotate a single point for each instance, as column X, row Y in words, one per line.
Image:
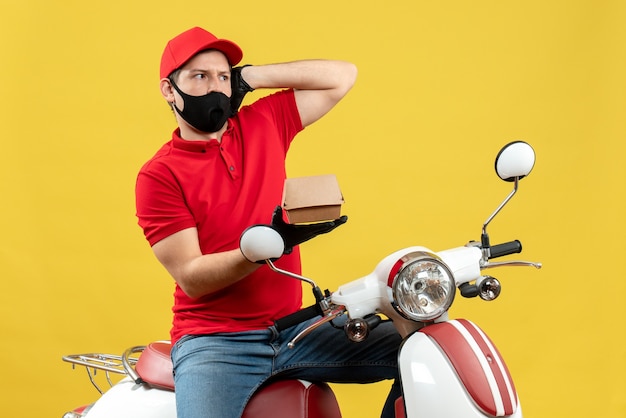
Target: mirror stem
column 493, row 215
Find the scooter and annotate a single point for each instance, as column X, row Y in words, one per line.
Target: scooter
column 448, row 367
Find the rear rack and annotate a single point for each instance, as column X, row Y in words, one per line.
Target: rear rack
column 110, row 363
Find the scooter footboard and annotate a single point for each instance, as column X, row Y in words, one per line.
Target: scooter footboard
column 453, row 369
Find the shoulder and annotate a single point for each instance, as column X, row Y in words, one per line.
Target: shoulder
column 158, row 157
column 278, row 108
column 158, row 170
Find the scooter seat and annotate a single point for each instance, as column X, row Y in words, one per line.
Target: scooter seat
column 288, row 398
column 154, row 365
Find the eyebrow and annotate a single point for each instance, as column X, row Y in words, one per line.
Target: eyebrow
column 200, row 70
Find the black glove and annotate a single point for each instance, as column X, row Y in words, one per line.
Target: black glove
column 239, row 88
column 297, row 234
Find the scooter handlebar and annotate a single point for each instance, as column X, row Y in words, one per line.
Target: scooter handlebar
column 500, row 250
column 297, row 317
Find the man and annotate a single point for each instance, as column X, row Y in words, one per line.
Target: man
column 222, row 171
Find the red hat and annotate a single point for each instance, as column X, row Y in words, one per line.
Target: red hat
column 183, row 47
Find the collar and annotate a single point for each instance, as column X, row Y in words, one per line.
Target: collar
column 193, row 146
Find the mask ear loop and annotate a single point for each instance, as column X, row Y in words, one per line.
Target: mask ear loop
column 172, row 104
column 179, row 92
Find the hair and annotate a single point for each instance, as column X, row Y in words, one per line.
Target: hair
column 174, row 75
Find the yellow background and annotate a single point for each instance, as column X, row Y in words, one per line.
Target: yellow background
column 442, row 85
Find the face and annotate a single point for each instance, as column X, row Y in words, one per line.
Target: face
column 206, row 72
column 203, row 76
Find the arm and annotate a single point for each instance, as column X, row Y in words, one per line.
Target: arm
column 199, row 274
column 319, row 84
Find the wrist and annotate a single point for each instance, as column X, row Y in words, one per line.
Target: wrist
column 242, row 79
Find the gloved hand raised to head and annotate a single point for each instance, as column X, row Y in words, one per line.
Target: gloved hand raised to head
column 269, row 242
column 239, row 88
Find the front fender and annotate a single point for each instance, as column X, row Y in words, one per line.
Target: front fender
column 452, row 369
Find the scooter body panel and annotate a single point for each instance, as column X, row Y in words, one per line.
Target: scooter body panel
column 129, row 400
column 448, row 372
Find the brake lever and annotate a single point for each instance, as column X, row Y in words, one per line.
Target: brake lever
column 335, row 312
column 491, row 264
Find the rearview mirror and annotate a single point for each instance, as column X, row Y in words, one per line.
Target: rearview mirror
column 515, row 160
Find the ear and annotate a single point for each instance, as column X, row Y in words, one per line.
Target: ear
column 167, row 91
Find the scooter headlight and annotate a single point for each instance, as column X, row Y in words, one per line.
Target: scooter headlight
column 424, row 287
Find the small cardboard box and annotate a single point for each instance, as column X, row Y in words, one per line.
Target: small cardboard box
column 312, row 199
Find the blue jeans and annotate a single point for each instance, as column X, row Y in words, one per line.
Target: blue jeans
column 215, row 375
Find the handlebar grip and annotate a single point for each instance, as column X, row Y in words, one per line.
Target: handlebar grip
column 297, row 317
column 506, row 248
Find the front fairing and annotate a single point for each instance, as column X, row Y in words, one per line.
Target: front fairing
column 369, row 295
column 372, row 294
